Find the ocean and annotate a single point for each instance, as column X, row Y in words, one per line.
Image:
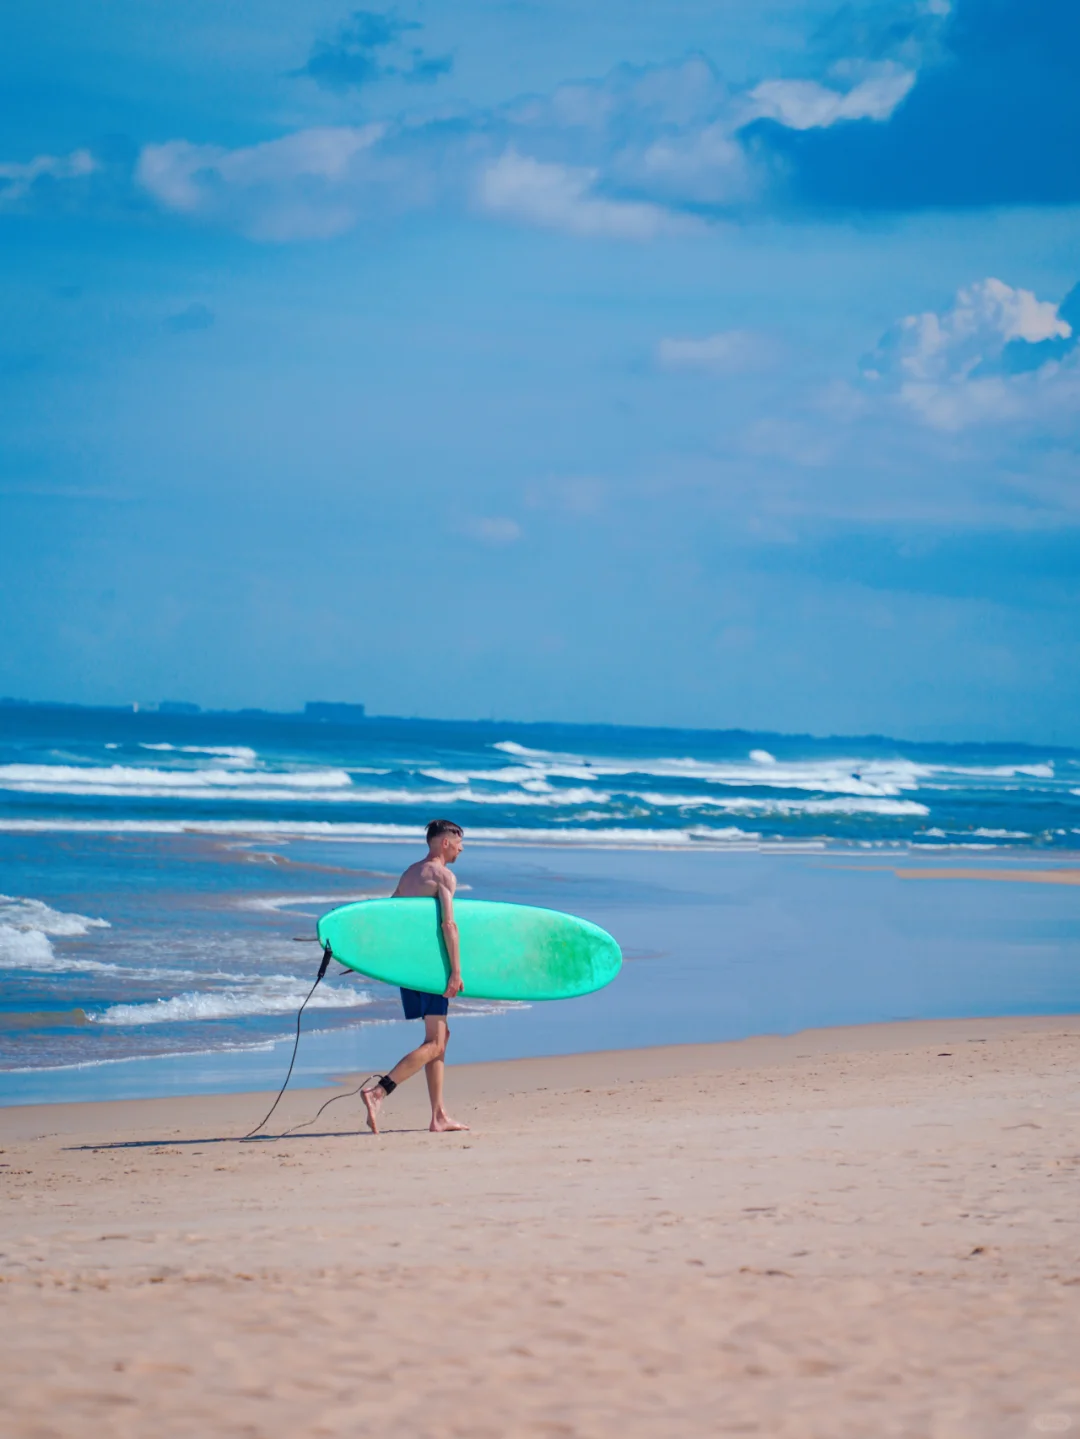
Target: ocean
column 160, row 876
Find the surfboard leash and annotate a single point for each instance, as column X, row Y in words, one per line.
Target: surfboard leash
column 327, row 956
column 332, row 1100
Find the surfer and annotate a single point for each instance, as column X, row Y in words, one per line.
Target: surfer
column 426, row 879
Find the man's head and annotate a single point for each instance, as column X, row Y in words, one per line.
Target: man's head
column 445, row 839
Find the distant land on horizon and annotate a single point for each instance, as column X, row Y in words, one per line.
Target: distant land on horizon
column 333, row 711
column 344, row 714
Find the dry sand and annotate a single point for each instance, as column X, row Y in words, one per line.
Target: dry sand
column 862, row 1232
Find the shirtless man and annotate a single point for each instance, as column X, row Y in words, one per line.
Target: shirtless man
column 428, row 878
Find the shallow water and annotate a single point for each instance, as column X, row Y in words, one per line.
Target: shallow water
column 189, row 974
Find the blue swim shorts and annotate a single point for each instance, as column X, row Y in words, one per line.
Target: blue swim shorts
column 418, row 1005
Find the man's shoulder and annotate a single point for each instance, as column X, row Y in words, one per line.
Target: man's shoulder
column 440, row 875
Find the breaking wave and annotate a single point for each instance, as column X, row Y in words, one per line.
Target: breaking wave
column 722, row 790
column 27, row 927
column 273, row 994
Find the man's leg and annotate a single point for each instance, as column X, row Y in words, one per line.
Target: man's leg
column 433, row 1047
column 435, row 1070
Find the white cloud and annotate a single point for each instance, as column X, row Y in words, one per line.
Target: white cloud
column 635, row 100
column 806, row 105
column 957, row 405
column 632, row 155
column 947, row 367
column 304, row 185
column 729, row 351
column 985, row 317
column 559, row 197
column 17, row 179
column 706, row 166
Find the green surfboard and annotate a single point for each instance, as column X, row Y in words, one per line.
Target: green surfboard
column 508, row 951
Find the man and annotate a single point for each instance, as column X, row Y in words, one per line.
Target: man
column 428, row 878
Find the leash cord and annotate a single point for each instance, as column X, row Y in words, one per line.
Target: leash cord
column 327, row 957
column 333, row 1100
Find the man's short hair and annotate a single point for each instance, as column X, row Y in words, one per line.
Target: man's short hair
column 442, row 826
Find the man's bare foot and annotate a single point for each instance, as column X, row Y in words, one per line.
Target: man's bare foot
column 373, row 1099
column 441, row 1123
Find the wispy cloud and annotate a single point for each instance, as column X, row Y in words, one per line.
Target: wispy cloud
column 370, row 47
column 635, row 154
column 807, row 105
column 638, row 153
column 493, row 530
column 563, row 197
column 17, row 180
column 729, row 351
column 307, row 185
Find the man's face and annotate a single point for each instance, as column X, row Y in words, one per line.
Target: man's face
column 452, row 845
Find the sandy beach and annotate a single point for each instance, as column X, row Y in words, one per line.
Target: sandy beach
column 839, row 1233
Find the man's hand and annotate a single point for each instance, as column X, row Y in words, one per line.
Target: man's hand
column 454, row 986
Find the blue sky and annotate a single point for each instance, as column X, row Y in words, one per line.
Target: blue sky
column 671, row 363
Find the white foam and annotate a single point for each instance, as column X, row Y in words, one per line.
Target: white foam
column 25, row 928
column 937, row 833
column 871, row 778
column 747, row 805
column 1000, row 771
column 275, row 994
column 700, row 836
column 764, row 773
column 241, row 752
column 312, row 786
column 844, row 775
column 274, row 904
column 25, row 949
column 510, row 774
column 34, row 914
column 264, row 1046
column 117, row 780
column 508, row 746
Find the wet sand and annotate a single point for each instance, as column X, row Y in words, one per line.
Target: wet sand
column 841, row 1233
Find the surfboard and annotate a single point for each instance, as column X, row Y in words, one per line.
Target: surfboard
column 508, row 951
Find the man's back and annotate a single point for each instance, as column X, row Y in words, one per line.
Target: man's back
column 425, row 879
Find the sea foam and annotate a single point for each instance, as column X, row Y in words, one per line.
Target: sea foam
column 275, row 994
column 118, row 779
column 25, row 929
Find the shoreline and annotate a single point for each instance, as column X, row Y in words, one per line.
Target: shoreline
column 764, row 943
column 841, row 1232
column 482, row 1077
column 395, row 1035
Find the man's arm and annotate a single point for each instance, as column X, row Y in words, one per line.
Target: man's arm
column 445, row 896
